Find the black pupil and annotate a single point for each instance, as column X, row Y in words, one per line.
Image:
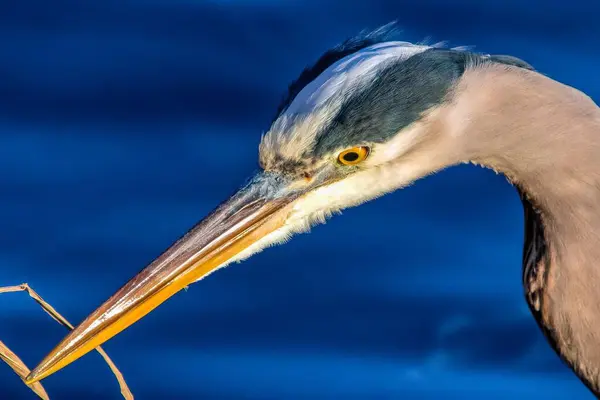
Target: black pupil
column 352, row 156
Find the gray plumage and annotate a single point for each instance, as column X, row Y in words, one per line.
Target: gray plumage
column 544, row 136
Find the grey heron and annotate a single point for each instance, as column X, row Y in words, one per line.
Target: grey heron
column 374, row 115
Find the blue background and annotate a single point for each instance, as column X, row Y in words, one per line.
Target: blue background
column 122, row 123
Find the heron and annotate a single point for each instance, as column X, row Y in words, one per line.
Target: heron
column 373, row 115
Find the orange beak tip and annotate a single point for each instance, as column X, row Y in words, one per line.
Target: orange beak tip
column 31, row 379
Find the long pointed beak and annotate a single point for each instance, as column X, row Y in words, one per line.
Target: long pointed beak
column 247, row 216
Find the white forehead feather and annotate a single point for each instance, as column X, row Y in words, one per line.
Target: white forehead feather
column 294, row 131
column 350, row 72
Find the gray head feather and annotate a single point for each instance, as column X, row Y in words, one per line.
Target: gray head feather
column 369, row 95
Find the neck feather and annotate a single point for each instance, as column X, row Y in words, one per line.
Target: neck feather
column 545, row 137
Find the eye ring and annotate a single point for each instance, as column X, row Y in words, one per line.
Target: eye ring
column 354, row 155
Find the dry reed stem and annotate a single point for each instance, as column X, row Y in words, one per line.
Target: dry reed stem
column 21, row 369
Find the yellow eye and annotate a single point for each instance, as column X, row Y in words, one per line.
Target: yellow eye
column 353, row 156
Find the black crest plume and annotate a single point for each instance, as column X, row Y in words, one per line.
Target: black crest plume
column 331, row 56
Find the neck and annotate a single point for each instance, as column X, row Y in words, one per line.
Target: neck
column 545, row 137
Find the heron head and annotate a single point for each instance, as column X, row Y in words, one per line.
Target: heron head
column 367, row 119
